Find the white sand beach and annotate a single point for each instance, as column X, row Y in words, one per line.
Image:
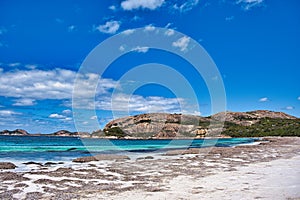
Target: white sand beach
column 278, row 179
column 269, row 170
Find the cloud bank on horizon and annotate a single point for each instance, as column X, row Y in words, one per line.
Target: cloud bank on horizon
column 42, row 45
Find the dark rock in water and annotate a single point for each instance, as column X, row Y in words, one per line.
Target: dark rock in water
column 50, row 163
column 101, row 157
column 32, row 163
column 149, row 157
column 7, row 165
column 72, row 149
column 145, row 158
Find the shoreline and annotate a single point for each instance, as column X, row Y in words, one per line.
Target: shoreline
column 197, row 174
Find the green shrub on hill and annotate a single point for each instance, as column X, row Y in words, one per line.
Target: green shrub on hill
column 265, row 127
column 115, row 131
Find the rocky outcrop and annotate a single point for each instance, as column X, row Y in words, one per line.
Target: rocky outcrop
column 7, row 165
column 15, row 132
column 252, row 117
column 162, row 125
column 157, row 125
column 101, row 157
column 70, row 134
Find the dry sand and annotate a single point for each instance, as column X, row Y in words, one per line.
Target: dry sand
column 270, row 170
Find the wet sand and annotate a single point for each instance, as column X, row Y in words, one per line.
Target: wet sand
column 269, row 170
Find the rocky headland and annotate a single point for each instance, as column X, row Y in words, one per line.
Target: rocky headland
column 163, row 126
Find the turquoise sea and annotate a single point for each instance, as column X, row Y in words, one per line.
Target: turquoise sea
column 49, row 148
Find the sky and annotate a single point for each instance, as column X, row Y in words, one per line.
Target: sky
column 46, row 45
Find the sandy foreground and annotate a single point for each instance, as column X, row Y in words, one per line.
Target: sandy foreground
column 269, row 170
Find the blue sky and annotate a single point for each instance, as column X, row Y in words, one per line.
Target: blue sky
column 255, row 45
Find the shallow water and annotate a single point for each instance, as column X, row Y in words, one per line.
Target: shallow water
column 50, row 148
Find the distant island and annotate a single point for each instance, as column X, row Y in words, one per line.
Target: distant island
column 164, row 126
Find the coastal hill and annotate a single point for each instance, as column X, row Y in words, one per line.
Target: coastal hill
column 21, row 132
column 15, row 132
column 237, row 124
column 163, row 125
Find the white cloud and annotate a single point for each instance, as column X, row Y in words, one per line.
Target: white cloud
column 112, row 7
column 50, row 84
column 31, row 66
column 230, row 18
column 298, row 98
column 169, row 32
column 122, row 48
column 67, row 119
column 110, row 27
column 24, row 102
column 264, row 99
column 248, row 4
column 94, row 117
column 186, row 6
column 67, row 111
column 71, row 28
column 137, row 103
column 149, row 27
column 1, row 70
column 16, row 64
column 140, row 49
column 7, row 113
column 289, row 108
column 57, row 116
column 182, row 43
column 60, row 117
column 143, row 4
column 128, row 31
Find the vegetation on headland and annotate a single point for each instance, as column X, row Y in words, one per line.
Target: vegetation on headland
column 264, row 127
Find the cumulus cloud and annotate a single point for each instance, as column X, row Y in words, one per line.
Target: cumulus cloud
column 49, row 84
column 112, row 7
column 169, row 32
column 56, row 116
column 182, row 43
column 264, row 99
column 140, row 49
column 31, row 66
column 60, row 117
column 94, row 117
column 141, row 4
column 16, row 64
column 67, row 111
column 289, row 108
column 122, row 48
column 8, row 113
column 24, row 102
column 149, row 27
column 71, row 28
column 137, row 103
column 110, row 27
column 128, row 32
column 67, row 119
column 248, row 4
column 186, row 6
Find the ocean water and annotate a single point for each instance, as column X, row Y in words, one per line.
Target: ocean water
column 47, row 148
